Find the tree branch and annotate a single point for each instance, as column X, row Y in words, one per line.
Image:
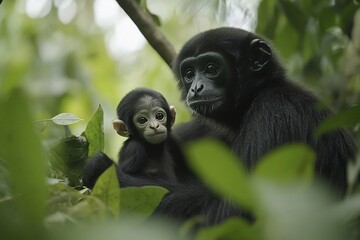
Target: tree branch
column 148, row 28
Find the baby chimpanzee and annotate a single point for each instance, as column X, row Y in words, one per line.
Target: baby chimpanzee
column 145, row 117
column 151, row 154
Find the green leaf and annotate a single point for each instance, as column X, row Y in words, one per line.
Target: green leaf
column 108, row 190
column 287, row 164
column 69, row 156
column 347, row 118
column 140, row 201
column 65, row 119
column 217, row 166
column 233, row 228
column 294, row 15
column 23, row 155
column 94, row 132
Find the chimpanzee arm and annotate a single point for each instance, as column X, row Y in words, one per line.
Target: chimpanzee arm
column 94, row 167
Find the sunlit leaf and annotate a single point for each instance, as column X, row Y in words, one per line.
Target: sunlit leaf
column 217, row 166
column 140, row 201
column 233, row 228
column 65, row 119
column 24, row 157
column 347, row 118
column 287, row 164
column 94, row 132
column 108, row 190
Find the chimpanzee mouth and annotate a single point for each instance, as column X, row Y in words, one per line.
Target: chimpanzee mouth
column 205, row 106
column 203, row 101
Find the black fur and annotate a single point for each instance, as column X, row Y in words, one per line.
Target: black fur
column 94, row 167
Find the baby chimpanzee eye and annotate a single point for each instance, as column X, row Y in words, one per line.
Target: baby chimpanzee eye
column 142, row 120
column 159, row 116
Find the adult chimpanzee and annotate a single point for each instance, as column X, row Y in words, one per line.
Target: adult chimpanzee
column 150, row 152
column 234, row 78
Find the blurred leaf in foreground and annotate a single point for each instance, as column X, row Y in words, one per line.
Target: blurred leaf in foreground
column 231, row 229
column 22, row 152
column 347, row 118
column 288, row 164
column 218, row 167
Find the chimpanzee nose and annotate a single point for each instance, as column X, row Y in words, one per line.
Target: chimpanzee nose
column 197, row 88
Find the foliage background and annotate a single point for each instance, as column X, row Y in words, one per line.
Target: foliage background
column 67, row 60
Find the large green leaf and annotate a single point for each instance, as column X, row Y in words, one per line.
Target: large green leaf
column 347, row 118
column 69, row 156
column 94, row 132
column 24, row 158
column 140, row 201
column 217, row 166
column 287, row 164
column 108, row 190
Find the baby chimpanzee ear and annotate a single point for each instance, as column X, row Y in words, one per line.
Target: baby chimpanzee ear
column 173, row 113
column 120, row 127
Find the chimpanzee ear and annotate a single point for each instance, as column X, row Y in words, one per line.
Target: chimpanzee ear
column 120, row 127
column 259, row 54
column 173, row 113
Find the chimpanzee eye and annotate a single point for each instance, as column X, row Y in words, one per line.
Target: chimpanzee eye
column 189, row 74
column 159, row 116
column 142, row 120
column 211, row 68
